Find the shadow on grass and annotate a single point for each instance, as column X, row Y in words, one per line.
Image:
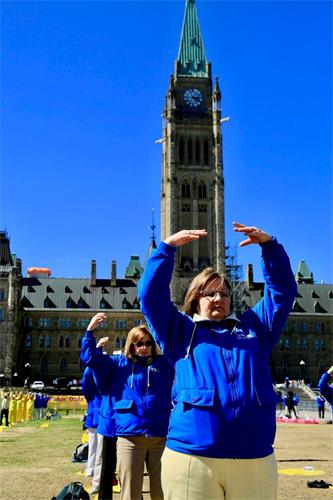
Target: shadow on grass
column 304, row 460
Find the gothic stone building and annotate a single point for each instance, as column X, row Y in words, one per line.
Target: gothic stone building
column 43, row 319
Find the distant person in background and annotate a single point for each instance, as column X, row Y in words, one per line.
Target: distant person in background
column 325, row 388
column 291, row 404
column 5, row 409
column 296, row 401
column 321, row 406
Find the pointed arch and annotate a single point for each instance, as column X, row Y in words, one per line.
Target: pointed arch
column 202, row 190
column 186, row 189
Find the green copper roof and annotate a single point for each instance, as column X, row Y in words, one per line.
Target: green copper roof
column 191, row 59
column 303, row 273
column 134, row 268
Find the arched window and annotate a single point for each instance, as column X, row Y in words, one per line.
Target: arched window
column 44, row 366
column 317, row 345
column 79, row 342
column 281, row 344
column 299, row 344
column 61, row 342
column 206, row 152
column 67, row 342
column 48, row 341
column 28, row 342
column 41, row 342
column 189, row 151
column 63, row 365
column 197, row 151
column 202, row 191
column 186, row 189
column 117, row 344
column 287, row 344
column 305, row 345
column 181, row 151
column 322, row 345
column 123, row 342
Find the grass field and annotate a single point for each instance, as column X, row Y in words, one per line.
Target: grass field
column 35, row 461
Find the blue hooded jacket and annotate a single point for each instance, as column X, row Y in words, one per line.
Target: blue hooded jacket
column 224, row 402
column 137, row 392
column 324, row 387
column 93, row 398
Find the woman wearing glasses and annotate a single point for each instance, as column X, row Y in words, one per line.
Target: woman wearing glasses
column 138, row 385
column 222, row 427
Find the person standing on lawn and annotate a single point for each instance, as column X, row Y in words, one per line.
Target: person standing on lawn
column 222, row 426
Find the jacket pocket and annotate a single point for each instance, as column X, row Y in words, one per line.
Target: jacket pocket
column 197, row 397
column 124, row 405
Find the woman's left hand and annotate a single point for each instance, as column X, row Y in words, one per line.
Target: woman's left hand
column 254, row 234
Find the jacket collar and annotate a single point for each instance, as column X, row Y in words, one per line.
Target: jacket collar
column 232, row 317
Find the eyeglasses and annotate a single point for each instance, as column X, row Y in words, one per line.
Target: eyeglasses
column 212, row 294
column 148, row 343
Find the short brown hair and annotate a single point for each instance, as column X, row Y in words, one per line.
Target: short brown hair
column 198, row 284
column 135, row 335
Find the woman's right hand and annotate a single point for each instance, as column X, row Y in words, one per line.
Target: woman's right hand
column 185, row 236
column 96, row 320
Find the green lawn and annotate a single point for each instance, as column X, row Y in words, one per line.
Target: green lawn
column 35, row 461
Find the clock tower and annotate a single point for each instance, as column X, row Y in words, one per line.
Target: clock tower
column 192, row 194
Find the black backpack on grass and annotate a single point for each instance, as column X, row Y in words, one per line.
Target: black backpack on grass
column 81, row 453
column 72, row 491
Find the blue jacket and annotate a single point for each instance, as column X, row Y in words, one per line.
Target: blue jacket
column 93, row 398
column 224, row 402
column 138, row 391
column 324, row 387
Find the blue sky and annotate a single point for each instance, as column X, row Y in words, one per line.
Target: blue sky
column 83, row 86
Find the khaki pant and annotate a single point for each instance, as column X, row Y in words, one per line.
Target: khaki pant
column 190, row 477
column 133, row 452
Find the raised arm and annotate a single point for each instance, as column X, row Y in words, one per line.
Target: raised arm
column 93, row 356
column 280, row 286
column 164, row 320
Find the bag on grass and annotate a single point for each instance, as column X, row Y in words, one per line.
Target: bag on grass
column 72, row 491
column 81, row 453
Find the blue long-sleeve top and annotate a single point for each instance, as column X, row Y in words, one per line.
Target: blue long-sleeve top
column 93, row 398
column 138, row 391
column 224, row 402
column 324, row 387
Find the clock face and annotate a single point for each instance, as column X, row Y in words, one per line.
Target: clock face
column 193, row 97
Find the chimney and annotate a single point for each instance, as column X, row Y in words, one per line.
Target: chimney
column 113, row 273
column 19, row 267
column 249, row 276
column 93, row 273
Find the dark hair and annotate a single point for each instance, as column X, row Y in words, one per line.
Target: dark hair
column 198, row 284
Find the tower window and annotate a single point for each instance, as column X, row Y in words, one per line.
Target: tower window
column 186, row 189
column 189, row 151
column 202, row 191
column 206, row 152
column 181, row 151
column 197, row 151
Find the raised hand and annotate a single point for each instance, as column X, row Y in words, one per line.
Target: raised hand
column 96, row 320
column 102, row 342
column 185, row 236
column 254, row 234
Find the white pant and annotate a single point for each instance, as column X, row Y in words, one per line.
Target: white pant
column 91, row 452
column 190, row 477
column 98, row 464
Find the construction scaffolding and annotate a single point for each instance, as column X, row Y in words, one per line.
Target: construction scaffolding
column 234, row 272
